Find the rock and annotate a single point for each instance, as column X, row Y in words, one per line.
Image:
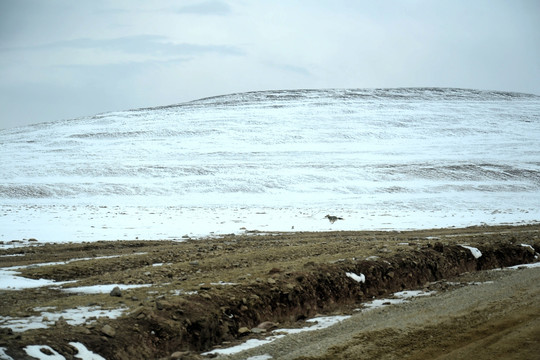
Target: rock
column 116, row 292
column 177, row 355
column 243, row 330
column 438, row 247
column 61, row 322
column 257, row 330
column 5, row 331
column 290, row 286
column 46, row 351
column 108, row 330
column 163, row 304
column 185, row 355
column 267, row 325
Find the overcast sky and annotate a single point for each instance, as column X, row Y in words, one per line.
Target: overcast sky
column 63, row 59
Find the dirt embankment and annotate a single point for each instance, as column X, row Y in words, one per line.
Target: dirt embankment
column 207, row 293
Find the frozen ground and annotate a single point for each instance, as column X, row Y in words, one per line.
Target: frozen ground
column 276, row 161
column 171, row 268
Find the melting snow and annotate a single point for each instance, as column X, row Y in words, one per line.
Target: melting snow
column 403, row 296
column 10, row 280
column 79, row 315
column 3, row 355
column 260, row 357
column 407, row 294
column 179, row 292
column 358, row 278
column 529, row 246
column 102, row 289
column 377, row 303
column 84, row 353
column 223, row 283
column 521, row 266
column 476, row 253
column 35, row 351
column 249, row 344
column 320, row 323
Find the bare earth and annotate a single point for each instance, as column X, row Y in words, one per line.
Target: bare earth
column 213, row 293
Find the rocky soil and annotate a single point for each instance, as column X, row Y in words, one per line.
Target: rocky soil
column 212, row 293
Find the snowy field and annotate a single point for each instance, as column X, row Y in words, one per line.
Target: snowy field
column 276, row 161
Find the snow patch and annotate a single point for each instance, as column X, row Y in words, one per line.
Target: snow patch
column 407, row 294
column 529, row 246
column 35, row 351
column 522, row 266
column 358, row 278
column 179, row 292
column 77, row 316
column 85, row 354
column 102, row 289
column 260, row 357
column 402, row 297
column 378, row 303
column 476, row 253
column 3, row 355
column 223, row 283
column 250, row 344
column 10, row 280
column 321, row 322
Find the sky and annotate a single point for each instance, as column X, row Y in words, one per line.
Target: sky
column 62, row 59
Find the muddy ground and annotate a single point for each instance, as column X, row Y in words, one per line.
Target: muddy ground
column 212, row 293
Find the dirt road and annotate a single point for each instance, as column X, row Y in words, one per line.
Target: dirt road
column 484, row 315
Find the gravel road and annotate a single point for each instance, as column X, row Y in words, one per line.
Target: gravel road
column 484, row 315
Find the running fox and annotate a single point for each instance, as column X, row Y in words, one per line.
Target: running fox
column 333, row 219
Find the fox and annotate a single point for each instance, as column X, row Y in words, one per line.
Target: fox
column 333, row 219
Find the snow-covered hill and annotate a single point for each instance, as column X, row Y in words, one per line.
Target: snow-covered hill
column 274, row 161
